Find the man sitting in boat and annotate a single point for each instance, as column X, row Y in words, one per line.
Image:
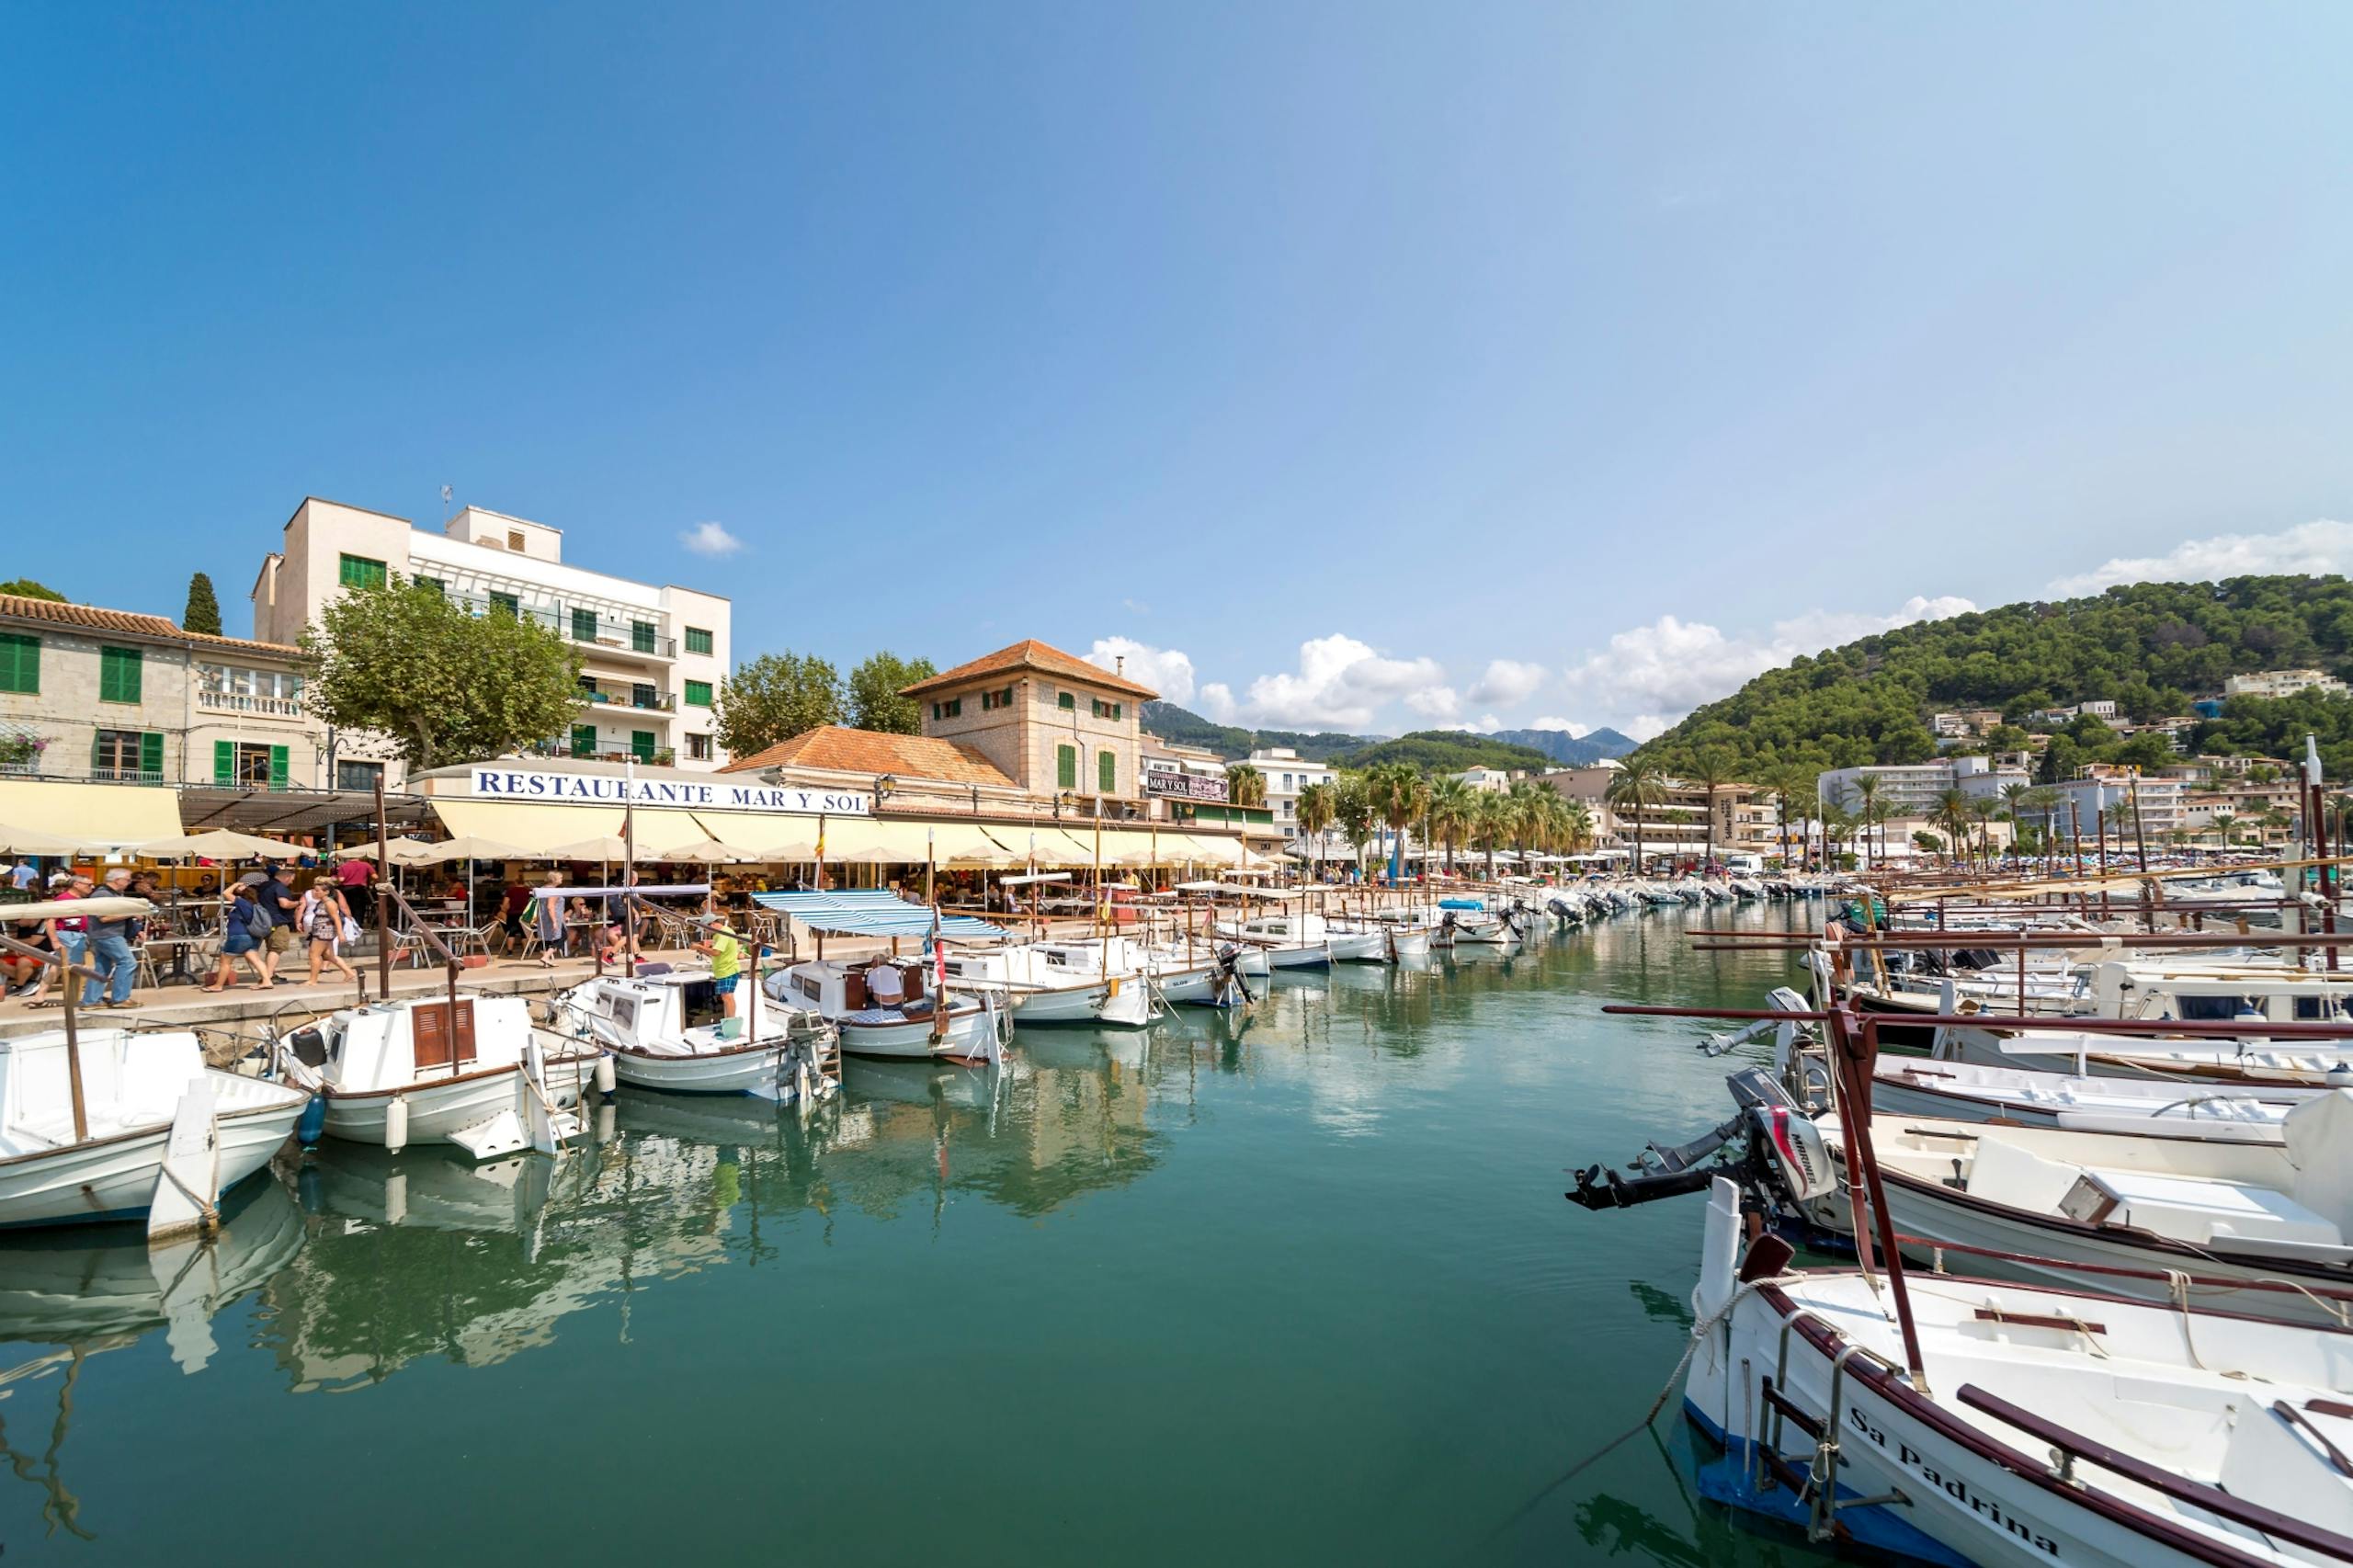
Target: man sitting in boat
column 888, row 985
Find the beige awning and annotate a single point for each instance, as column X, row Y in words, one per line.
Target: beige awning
column 95, row 816
column 756, row 833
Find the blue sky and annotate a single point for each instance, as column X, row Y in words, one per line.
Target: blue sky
column 1349, row 365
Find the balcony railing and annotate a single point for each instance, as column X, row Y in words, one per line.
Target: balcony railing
column 643, row 701
column 662, row 757
column 614, row 640
column 234, row 702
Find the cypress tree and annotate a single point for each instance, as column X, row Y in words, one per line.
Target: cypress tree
column 203, row 612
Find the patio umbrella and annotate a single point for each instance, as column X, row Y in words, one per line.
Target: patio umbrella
column 400, row 851
column 475, row 849
column 705, row 852
column 611, row 846
column 803, row 849
column 220, row 844
column 24, row 841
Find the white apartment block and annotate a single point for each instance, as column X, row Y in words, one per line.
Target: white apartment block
column 2283, row 683
column 2111, row 802
column 1287, row 773
column 653, row 656
column 1914, row 789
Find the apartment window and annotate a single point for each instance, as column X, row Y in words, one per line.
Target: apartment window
column 506, row 603
column 699, row 747
column 233, row 680
column 583, row 626
column 644, row 696
column 19, row 663
column 1107, row 773
column 359, row 572
column 1066, row 767
column 948, row 710
column 699, row 694
column 641, row 744
column 1106, row 710
column 698, row 638
column 641, row 637
column 515, row 540
column 588, row 689
column 584, row 740
column 434, row 584
column 1067, row 702
column 127, row 755
column 994, row 699
column 118, row 675
column 362, row 775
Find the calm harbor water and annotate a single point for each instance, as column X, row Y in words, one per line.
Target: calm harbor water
column 1292, row 1287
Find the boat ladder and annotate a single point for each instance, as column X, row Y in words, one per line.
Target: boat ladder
column 1816, row 1486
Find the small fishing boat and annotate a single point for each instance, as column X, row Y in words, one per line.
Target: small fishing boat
column 1957, row 1091
column 468, row 1071
column 97, row 1149
column 841, row 993
column 667, row 1029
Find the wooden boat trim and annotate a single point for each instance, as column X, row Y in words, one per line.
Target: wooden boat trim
column 328, row 1094
column 1900, row 1394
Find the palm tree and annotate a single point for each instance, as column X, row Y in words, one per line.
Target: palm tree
column 1866, row 810
column 1984, row 808
column 1315, row 807
column 1495, row 820
column 2014, row 800
column 2223, row 823
column 1711, row 770
column 1837, row 825
column 1398, row 795
column 2277, row 821
column 1636, row 786
column 1953, row 815
column 1244, row 785
column 1452, row 806
column 1577, row 826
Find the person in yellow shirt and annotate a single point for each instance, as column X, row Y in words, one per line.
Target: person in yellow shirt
column 726, row 964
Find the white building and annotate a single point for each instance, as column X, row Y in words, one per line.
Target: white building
column 1914, row 789
column 2283, row 683
column 1496, row 778
column 655, row 655
column 1287, row 773
column 2110, row 800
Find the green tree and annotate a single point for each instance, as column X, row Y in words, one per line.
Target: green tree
column 1398, row 795
column 444, row 686
column 1353, row 812
column 26, row 588
column 1711, row 770
column 202, row 615
column 1453, row 807
column 1866, row 807
column 1315, row 807
column 874, row 688
column 1492, row 820
column 1637, row 786
column 1244, row 785
column 775, row 698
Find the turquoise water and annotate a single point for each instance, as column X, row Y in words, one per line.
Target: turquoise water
column 1296, row 1286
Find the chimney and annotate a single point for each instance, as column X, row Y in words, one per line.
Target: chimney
column 1120, row 665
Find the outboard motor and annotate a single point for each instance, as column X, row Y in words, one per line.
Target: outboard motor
column 1229, row 971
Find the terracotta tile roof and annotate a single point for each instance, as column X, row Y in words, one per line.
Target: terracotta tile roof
column 839, row 749
column 1031, row 654
column 90, row 617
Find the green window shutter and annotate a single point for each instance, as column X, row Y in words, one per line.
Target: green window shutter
column 640, row 638
column 359, row 572
column 1066, row 767
column 583, row 626
column 641, row 744
column 224, row 762
column 278, row 767
column 508, row 602
column 1107, row 773
column 118, row 673
column 698, row 693
column 434, row 584
column 584, row 740
column 101, row 757
column 698, row 639
column 1066, row 702
column 150, row 754
column 19, row 663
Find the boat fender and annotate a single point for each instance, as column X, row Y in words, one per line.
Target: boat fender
column 313, row 1123
column 396, row 1124
column 309, row 1189
column 606, row 1078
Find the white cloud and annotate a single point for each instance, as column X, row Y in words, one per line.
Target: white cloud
column 710, row 538
column 1217, row 701
column 1552, row 722
column 1436, row 702
column 1507, row 682
column 1673, row 665
column 1643, row 726
column 1165, row 670
column 1340, row 684
column 1485, row 724
column 2318, row 546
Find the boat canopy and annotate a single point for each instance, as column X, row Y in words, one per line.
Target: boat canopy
column 865, row 912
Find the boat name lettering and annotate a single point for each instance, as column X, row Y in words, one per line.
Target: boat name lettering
column 599, row 790
column 1952, row 1487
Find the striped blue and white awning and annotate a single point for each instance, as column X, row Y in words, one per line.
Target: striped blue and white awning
column 873, row 913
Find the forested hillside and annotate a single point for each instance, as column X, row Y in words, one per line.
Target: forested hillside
column 2151, row 648
column 1446, row 751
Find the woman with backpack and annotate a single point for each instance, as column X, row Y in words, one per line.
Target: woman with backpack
column 325, row 923
column 244, row 934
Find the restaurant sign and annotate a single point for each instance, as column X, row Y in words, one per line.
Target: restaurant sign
column 1184, row 786
column 604, row 790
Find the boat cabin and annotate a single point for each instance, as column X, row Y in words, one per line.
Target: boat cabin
column 388, row 1045
column 2278, row 996
column 650, row 1012
column 836, row 990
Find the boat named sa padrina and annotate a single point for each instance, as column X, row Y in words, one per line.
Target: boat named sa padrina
column 133, row 1086
column 413, row 1071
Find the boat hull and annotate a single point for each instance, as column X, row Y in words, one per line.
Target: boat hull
column 434, row 1110
column 746, row 1072
column 114, row 1178
column 911, row 1040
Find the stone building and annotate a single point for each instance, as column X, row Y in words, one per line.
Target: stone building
column 1048, row 721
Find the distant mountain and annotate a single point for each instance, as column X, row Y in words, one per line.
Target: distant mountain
column 1232, row 742
column 1446, row 751
column 1568, row 750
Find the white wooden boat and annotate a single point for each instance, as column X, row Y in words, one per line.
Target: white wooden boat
column 2050, row 1426
column 666, row 1029
column 2252, row 1060
column 1053, row 982
column 132, row 1085
column 837, row 993
column 407, row 1071
column 2040, row 1200
column 1956, row 1091
column 1289, row 940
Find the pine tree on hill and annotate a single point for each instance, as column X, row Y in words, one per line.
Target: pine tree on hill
column 203, row 613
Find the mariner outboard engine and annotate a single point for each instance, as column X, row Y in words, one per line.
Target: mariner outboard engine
column 1229, row 971
column 1783, row 1161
